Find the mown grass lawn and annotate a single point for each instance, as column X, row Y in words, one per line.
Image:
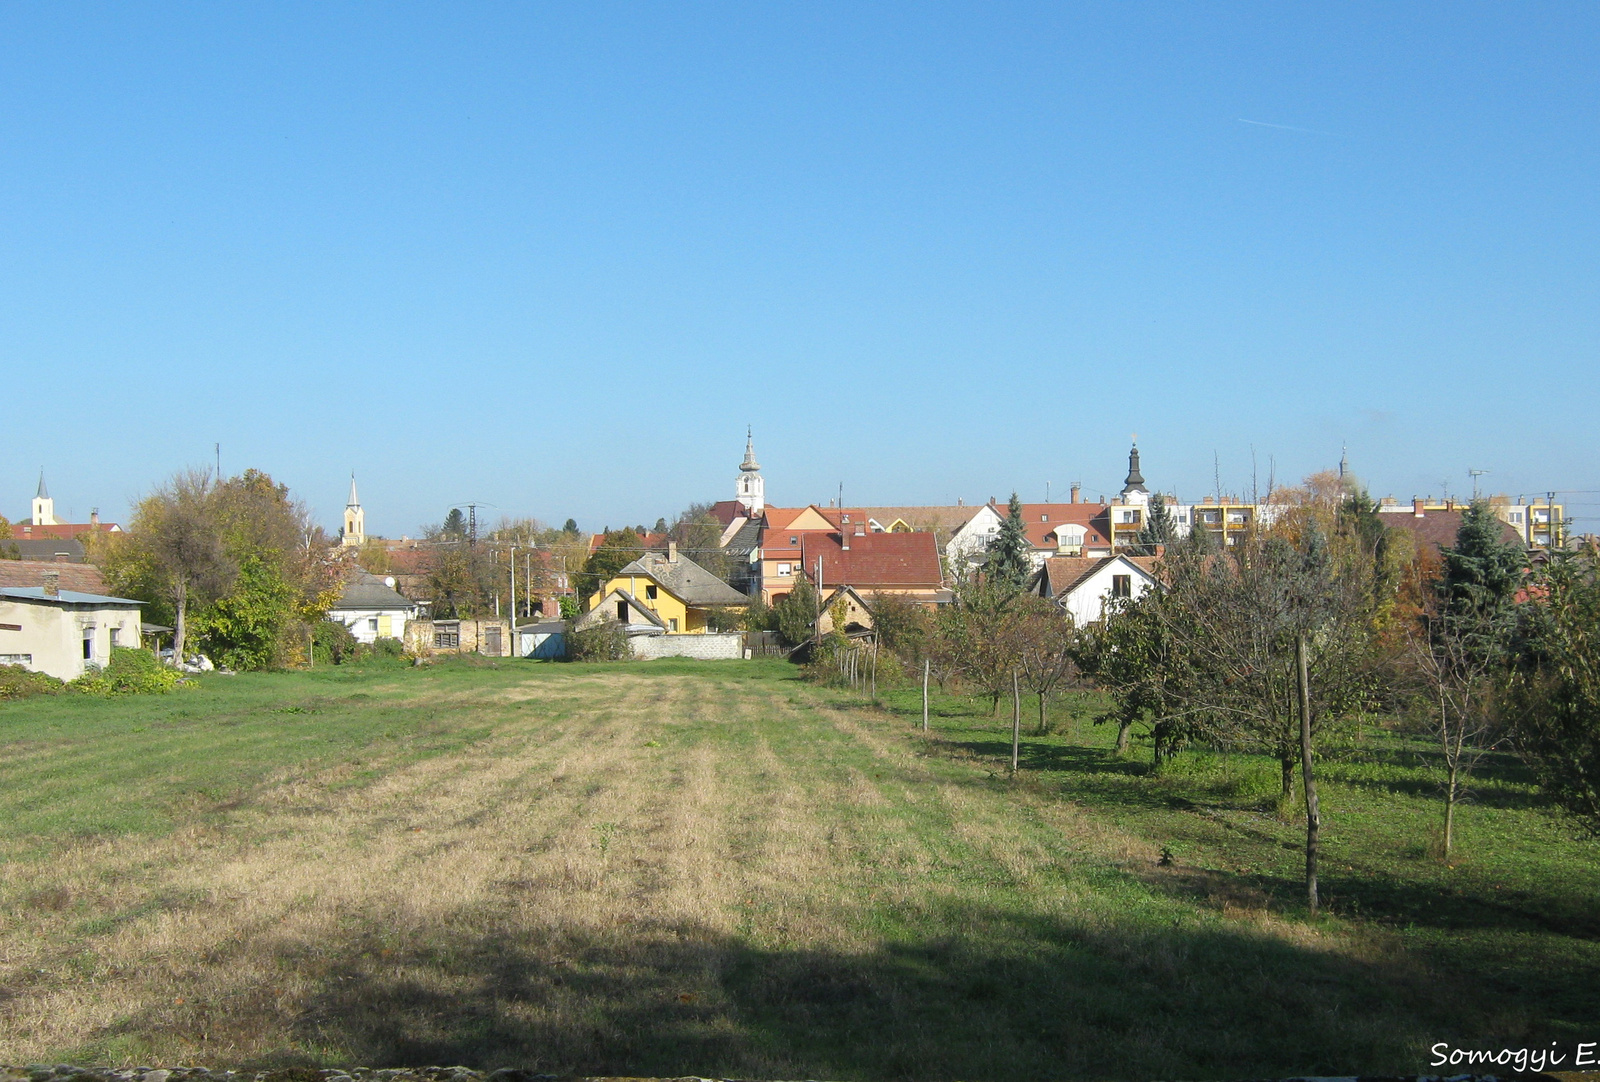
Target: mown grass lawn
column 683, row 868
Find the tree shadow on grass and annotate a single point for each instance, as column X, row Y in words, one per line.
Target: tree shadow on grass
column 1013, row 996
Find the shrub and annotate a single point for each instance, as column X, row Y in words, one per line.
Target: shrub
column 388, row 648
column 333, row 643
column 19, row 683
column 604, row 641
column 129, row 672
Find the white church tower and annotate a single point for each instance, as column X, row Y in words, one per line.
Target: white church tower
column 44, row 508
column 752, row 488
column 355, row 519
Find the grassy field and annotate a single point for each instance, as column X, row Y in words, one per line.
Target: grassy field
column 714, row 868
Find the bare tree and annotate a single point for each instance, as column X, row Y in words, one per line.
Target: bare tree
column 1452, row 678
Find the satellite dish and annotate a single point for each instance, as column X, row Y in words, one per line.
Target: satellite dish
column 389, row 582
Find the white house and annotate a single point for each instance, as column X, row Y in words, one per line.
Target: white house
column 63, row 633
column 1084, row 585
column 373, row 609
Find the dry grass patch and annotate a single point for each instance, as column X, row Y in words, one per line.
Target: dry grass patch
column 654, row 870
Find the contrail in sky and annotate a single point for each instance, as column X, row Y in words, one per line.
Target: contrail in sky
column 1284, row 127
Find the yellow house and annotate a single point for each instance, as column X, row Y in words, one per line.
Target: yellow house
column 662, row 593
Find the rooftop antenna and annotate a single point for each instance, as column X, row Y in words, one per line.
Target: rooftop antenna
column 1475, row 474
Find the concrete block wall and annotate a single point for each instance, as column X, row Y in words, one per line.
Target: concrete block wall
column 707, row 647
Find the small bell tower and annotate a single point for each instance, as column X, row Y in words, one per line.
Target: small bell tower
column 355, row 519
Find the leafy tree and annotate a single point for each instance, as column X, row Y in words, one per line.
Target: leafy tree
column 901, row 626
column 1552, row 697
column 796, row 612
column 978, row 639
column 242, row 628
column 615, row 551
column 1160, row 528
column 1010, row 555
column 373, row 557
column 173, row 552
column 698, row 534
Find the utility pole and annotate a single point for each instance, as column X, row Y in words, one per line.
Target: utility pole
column 1550, row 514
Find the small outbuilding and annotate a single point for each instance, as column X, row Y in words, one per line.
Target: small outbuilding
column 64, row 633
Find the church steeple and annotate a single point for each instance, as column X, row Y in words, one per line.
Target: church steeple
column 355, row 519
column 1133, row 489
column 752, row 489
column 44, row 508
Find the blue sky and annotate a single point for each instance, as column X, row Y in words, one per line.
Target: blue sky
column 555, row 259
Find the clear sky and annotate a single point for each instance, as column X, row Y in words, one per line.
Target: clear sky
column 554, row 259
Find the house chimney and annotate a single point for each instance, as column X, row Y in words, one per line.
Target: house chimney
column 672, row 552
column 63, row 557
column 961, row 501
column 52, row 583
column 1077, row 493
column 861, row 529
column 94, row 518
column 1416, row 506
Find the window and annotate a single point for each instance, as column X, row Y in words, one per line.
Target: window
column 622, row 612
column 88, row 648
column 672, row 623
column 447, row 636
column 650, row 592
column 786, row 569
column 10, row 627
column 114, row 637
column 1121, row 585
column 16, row 659
column 794, row 540
column 372, row 624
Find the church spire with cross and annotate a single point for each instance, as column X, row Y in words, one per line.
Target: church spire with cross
column 44, row 508
column 752, row 489
column 355, row 519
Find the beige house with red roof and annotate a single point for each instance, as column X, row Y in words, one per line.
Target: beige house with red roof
column 906, row 564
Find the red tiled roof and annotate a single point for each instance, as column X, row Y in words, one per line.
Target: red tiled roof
column 84, row 578
column 24, row 530
column 1438, row 529
column 873, row 560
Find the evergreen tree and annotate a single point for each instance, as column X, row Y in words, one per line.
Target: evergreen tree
column 1159, row 527
column 1010, row 561
column 571, row 526
column 1483, row 571
column 455, row 524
